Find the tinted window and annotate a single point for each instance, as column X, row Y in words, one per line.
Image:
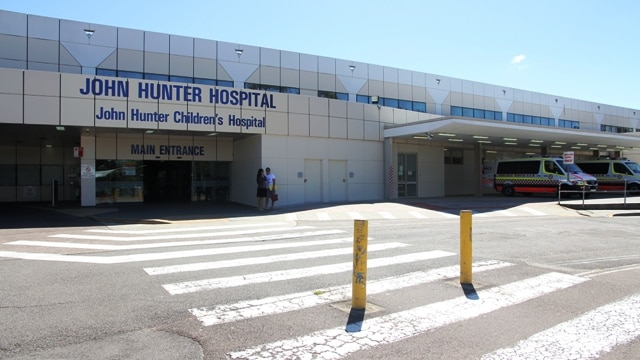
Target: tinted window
column 595, row 168
column 619, row 168
column 363, row 99
column 518, row 167
column 419, row 106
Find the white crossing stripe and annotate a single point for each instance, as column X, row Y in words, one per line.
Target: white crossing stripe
column 265, row 259
column 504, row 213
column 291, row 217
column 447, row 215
column 417, row 215
column 174, row 236
column 585, row 337
column 165, row 230
column 335, row 343
column 323, row 216
column 386, row 215
column 532, row 211
column 355, row 215
column 233, row 281
column 220, row 314
column 162, row 256
column 70, row 245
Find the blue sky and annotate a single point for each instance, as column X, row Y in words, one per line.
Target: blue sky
column 584, row 49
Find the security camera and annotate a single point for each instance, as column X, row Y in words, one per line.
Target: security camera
column 429, row 136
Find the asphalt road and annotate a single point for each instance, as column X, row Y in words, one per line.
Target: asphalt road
column 266, row 285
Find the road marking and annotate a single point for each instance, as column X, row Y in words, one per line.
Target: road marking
column 175, row 236
column 532, row 211
column 418, row 215
column 600, row 272
column 55, row 244
column 220, row 314
column 165, row 255
column 335, row 343
column 355, row 215
column 265, row 259
column 185, row 229
column 291, row 217
column 447, row 215
column 280, row 275
column 504, row 213
column 585, row 337
column 323, row 216
column 386, row 215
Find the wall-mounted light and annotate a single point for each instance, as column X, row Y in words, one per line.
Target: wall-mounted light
column 352, row 67
column 598, row 107
column 504, row 92
column 89, row 33
column 239, row 53
column 438, row 81
column 556, row 101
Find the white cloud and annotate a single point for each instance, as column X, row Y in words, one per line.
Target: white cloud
column 518, row 59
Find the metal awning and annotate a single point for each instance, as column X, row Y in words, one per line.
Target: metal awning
column 501, row 133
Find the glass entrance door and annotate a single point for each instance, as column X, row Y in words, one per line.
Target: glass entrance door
column 407, row 175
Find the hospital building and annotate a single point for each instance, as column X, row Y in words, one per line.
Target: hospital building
column 98, row 114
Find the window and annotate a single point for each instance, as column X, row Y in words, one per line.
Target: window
column 106, row 72
column 467, row 112
column 7, row 175
column 202, row 81
column 225, row 83
column 130, row 74
column 456, row 111
column 333, row 95
column 182, row 79
column 419, row 106
column 570, row 124
column 156, row 77
column 363, row 99
column 405, row 104
column 454, row 156
column 390, row 102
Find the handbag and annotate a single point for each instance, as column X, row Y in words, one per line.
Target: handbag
column 274, row 197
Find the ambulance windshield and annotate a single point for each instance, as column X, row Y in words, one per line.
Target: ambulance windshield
column 633, row 166
column 570, row 168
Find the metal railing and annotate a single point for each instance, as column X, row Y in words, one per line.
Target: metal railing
column 585, row 194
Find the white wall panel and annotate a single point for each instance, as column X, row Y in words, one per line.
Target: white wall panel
column 337, row 128
column 130, row 39
column 78, row 112
column 277, row 123
column 355, row 129
column 11, row 105
column 43, row 27
column 44, row 110
column 318, row 126
column 298, row 124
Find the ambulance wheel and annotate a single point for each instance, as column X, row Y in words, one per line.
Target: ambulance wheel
column 508, row 191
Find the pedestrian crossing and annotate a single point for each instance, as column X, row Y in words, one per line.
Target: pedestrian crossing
column 208, row 259
column 402, row 212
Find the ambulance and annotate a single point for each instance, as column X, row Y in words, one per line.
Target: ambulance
column 541, row 175
column 614, row 174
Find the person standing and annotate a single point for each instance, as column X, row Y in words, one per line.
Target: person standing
column 261, row 181
column 271, row 187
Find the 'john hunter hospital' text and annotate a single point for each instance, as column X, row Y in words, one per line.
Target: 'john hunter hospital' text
column 177, row 92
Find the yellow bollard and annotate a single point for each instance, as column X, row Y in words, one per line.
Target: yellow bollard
column 359, row 282
column 465, row 247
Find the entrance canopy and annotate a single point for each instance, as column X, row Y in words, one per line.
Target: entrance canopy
column 501, row 133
